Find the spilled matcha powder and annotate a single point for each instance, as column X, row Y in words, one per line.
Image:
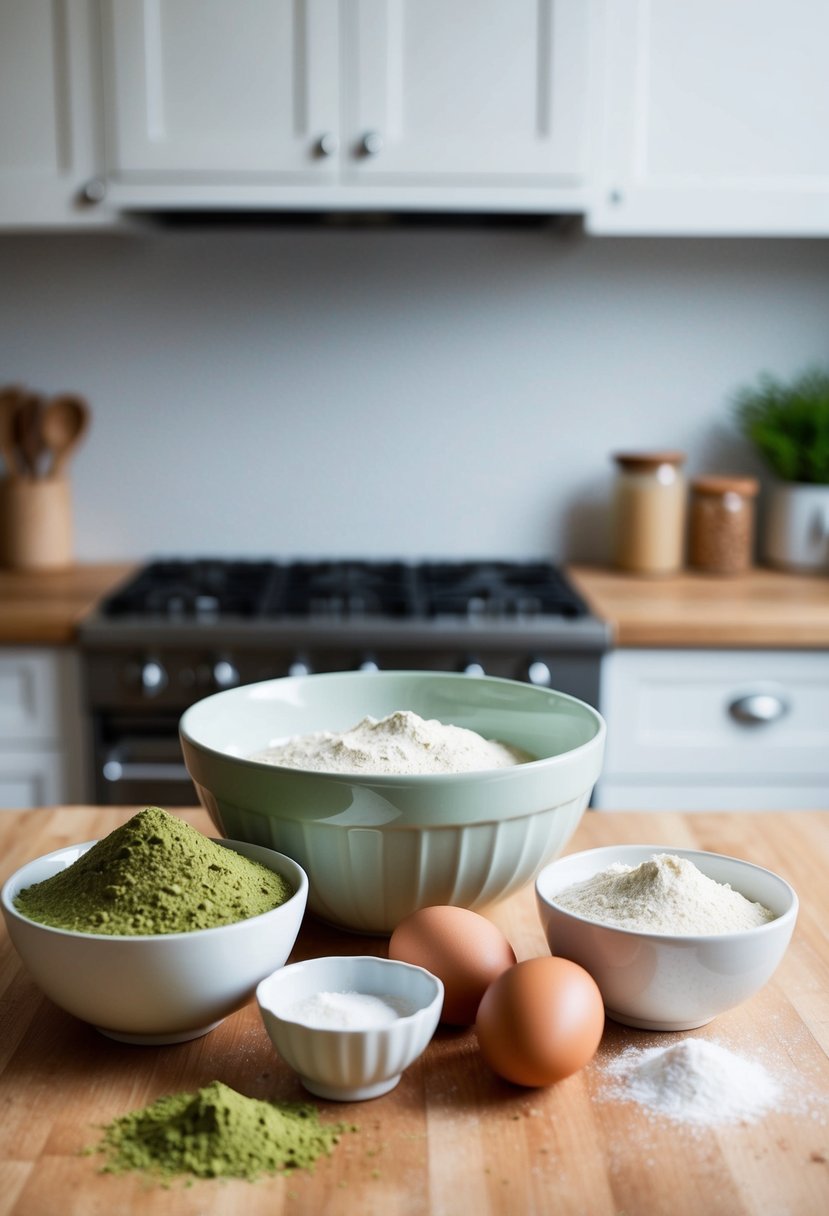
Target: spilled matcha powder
column 155, row 874
column 217, row 1133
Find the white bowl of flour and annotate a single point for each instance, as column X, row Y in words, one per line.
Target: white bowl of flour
column 396, row 790
column 671, row 936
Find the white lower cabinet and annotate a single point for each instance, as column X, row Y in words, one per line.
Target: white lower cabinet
column 41, row 733
column 715, row 730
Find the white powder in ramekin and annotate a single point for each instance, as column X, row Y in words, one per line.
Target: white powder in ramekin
column 350, row 1010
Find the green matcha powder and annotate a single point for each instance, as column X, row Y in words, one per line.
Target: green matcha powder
column 155, row 874
column 217, row 1133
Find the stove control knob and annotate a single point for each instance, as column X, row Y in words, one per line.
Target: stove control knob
column 300, row 667
column 153, row 677
column 473, row 668
column 538, row 673
column 225, row 674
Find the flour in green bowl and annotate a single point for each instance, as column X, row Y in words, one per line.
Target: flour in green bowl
column 155, row 874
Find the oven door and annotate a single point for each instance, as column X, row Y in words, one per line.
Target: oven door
column 141, row 764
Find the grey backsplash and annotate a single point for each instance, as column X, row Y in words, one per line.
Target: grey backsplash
column 392, row 391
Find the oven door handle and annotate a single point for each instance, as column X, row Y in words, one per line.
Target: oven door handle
column 119, row 770
column 117, row 766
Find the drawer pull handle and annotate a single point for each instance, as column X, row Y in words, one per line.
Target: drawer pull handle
column 757, row 709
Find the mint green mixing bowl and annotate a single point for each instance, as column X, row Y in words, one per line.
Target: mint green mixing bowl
column 376, row 848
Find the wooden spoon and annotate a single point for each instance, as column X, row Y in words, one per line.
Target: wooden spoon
column 10, row 399
column 63, row 425
column 28, row 434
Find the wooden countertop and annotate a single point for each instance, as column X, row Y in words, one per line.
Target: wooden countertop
column 763, row 608
column 42, row 609
column 451, row 1138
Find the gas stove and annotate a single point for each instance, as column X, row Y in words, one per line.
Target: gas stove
column 203, row 591
column 180, row 629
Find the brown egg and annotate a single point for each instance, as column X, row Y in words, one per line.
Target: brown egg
column 464, row 950
column 540, row 1021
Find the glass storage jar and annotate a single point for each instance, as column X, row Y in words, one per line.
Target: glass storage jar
column 650, row 503
column 722, row 524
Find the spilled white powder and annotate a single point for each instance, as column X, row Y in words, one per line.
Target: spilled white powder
column 349, row 1010
column 666, row 894
column 695, row 1081
column 400, row 743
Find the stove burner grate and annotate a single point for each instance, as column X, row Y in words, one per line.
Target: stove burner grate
column 347, row 588
column 200, row 589
column 499, row 589
column 215, row 589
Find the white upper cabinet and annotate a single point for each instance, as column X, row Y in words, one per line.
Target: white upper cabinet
column 470, row 92
column 49, row 145
column 651, row 117
column 208, row 88
column 348, row 102
column 716, row 118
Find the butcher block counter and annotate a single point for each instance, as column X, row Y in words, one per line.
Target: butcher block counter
column 763, row 608
column 452, row 1139
column 45, row 608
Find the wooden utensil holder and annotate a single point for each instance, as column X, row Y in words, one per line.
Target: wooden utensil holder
column 35, row 523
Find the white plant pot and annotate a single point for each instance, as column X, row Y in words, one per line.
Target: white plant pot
column 797, row 527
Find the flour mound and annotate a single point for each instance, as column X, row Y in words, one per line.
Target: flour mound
column 695, row 1081
column 666, row 894
column 401, row 743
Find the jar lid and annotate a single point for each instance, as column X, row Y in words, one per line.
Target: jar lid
column 746, row 487
column 641, row 462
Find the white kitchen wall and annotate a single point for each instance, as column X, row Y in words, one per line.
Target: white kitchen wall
column 386, row 391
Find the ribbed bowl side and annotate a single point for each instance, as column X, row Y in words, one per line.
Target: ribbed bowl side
column 368, row 879
column 347, row 1060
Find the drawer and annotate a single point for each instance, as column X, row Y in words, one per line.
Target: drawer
column 683, row 713
column 640, row 794
column 42, row 732
column 30, row 695
column 31, row 778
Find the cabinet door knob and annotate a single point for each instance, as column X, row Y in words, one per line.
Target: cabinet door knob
column 758, row 708
column 371, row 143
column 327, row 144
column 95, row 190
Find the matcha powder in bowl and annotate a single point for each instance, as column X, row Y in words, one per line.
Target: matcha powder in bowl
column 217, row 1133
column 156, row 874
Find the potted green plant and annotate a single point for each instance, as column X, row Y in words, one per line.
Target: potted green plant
column 788, row 423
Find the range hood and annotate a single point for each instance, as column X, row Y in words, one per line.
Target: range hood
column 206, row 220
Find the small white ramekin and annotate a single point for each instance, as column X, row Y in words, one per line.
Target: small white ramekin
column 351, row 1063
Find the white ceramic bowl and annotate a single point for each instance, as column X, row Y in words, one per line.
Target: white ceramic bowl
column 163, row 988
column 378, row 847
column 349, row 1064
column 658, row 981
